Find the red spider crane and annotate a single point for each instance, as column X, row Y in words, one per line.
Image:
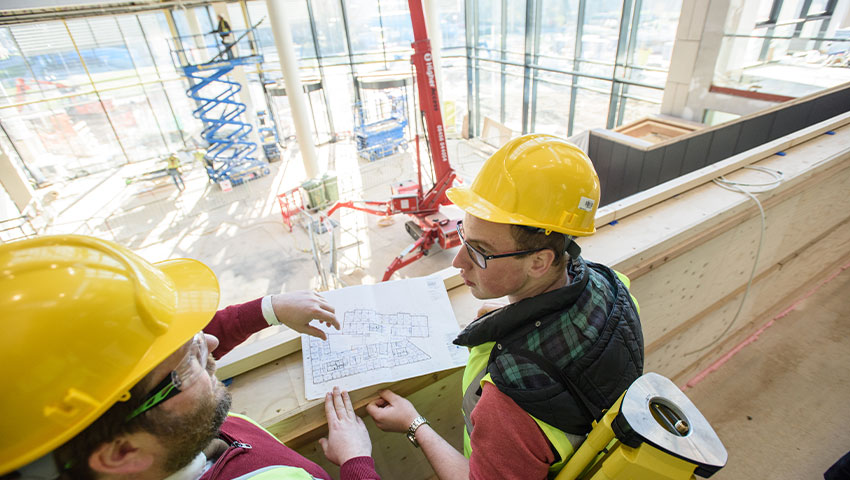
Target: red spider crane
column 428, row 226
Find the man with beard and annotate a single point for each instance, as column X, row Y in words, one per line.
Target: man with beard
column 108, row 373
column 542, row 368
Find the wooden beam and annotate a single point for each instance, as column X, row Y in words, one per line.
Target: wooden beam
column 638, row 270
column 754, row 94
column 307, row 432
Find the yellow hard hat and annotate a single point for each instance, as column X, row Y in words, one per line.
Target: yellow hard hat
column 535, row 180
column 84, row 320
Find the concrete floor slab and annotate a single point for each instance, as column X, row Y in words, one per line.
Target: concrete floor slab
column 240, row 234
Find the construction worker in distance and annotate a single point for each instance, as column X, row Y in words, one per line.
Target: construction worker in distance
column 200, row 155
column 542, row 368
column 108, row 374
column 223, row 30
column 173, row 169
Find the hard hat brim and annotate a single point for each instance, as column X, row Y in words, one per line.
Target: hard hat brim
column 475, row 205
column 197, row 299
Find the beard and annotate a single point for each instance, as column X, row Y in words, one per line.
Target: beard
column 186, row 435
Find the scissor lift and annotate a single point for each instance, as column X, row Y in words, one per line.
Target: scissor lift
column 230, row 155
column 384, row 136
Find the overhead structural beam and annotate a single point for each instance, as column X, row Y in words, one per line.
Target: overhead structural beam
column 32, row 11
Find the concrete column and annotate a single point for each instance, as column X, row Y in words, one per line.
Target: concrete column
column 15, row 183
column 294, row 91
column 742, row 17
column 241, row 78
column 195, row 27
column 684, row 62
column 175, row 35
column 696, row 52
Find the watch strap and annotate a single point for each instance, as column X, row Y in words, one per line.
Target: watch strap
column 411, row 430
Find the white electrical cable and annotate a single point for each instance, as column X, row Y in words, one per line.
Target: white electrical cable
column 776, row 174
column 722, row 182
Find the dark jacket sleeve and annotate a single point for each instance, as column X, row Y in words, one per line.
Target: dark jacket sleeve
column 232, row 325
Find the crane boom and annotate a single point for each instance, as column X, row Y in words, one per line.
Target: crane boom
column 429, row 226
column 429, row 100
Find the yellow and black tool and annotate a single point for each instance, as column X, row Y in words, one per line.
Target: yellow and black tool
column 653, row 432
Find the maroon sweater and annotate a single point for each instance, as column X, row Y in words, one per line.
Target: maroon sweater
column 252, row 448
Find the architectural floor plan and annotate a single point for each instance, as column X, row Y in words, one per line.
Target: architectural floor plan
column 389, row 331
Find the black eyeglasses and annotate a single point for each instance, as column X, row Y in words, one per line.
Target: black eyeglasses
column 480, row 258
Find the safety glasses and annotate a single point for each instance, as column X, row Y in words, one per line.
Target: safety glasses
column 480, row 258
column 192, row 367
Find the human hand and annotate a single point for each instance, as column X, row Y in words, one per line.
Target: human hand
column 297, row 309
column 347, row 435
column 488, row 307
column 391, row 412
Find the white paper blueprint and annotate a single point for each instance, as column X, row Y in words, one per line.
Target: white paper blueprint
column 389, row 331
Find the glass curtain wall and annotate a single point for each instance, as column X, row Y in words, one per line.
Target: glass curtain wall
column 563, row 67
column 85, row 95
column 82, row 95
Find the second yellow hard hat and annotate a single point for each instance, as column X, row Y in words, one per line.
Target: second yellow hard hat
column 535, row 180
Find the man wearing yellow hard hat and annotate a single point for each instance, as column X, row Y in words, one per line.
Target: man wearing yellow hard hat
column 107, row 372
column 172, row 167
column 568, row 344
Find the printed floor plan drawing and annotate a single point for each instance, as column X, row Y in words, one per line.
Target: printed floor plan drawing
column 381, row 351
column 388, row 332
column 368, row 322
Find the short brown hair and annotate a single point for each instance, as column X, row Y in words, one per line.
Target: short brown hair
column 72, row 457
column 533, row 238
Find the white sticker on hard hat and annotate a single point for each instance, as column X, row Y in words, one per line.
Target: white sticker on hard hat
column 586, row 204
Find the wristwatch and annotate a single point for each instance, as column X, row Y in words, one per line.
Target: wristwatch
column 411, row 430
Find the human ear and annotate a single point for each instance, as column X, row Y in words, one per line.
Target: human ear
column 122, row 456
column 541, row 262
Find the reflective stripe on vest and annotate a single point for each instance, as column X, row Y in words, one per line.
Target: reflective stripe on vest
column 474, row 377
column 251, row 421
column 277, row 472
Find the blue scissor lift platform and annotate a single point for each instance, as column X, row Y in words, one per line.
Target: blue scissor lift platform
column 231, row 154
column 382, row 137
